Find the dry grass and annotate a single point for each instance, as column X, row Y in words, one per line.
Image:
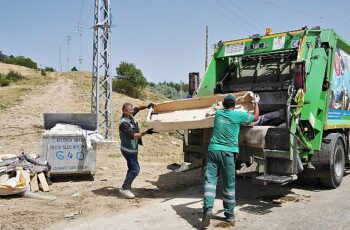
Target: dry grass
column 5, row 68
column 11, row 95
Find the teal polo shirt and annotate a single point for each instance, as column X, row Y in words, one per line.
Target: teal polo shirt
column 226, row 129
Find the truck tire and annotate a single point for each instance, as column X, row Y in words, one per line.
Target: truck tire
column 336, row 152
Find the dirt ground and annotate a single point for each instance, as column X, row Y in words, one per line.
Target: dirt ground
column 164, row 200
column 294, row 206
column 22, row 127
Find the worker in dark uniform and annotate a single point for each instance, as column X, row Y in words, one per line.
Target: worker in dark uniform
column 130, row 138
column 222, row 152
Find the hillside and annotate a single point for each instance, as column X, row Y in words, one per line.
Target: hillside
column 22, row 127
column 12, row 94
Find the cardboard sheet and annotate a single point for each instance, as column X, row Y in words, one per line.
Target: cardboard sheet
column 193, row 113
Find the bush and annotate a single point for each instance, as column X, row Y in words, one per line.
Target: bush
column 169, row 91
column 126, row 87
column 43, row 72
column 49, row 69
column 20, row 60
column 74, row 69
column 14, row 76
column 4, row 81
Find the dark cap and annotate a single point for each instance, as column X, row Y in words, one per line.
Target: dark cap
column 230, row 99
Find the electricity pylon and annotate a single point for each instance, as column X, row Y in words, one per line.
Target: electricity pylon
column 101, row 100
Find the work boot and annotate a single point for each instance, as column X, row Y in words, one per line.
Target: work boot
column 229, row 217
column 127, row 193
column 207, row 215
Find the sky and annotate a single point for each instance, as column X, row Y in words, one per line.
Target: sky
column 163, row 38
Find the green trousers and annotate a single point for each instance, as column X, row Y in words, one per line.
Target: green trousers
column 225, row 162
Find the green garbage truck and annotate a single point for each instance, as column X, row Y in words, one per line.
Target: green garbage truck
column 303, row 80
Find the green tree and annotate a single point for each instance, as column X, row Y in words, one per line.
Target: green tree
column 3, row 57
column 130, row 80
column 74, row 69
column 19, row 60
column 129, row 72
column 49, row 69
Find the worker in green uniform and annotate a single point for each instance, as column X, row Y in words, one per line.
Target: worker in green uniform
column 222, row 152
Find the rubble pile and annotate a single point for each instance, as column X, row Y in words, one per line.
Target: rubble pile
column 20, row 173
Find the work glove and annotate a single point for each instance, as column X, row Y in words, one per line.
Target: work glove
column 150, row 105
column 150, row 131
column 256, row 98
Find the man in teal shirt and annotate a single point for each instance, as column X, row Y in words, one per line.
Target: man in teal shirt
column 222, row 152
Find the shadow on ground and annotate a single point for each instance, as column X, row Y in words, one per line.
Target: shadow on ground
column 71, row 177
column 251, row 198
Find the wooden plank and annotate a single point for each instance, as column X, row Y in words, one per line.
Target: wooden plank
column 43, row 182
column 34, row 187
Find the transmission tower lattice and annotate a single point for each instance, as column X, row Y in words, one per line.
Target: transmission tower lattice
column 101, row 100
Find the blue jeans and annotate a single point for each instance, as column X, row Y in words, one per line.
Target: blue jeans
column 133, row 168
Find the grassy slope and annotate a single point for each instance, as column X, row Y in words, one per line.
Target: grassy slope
column 12, row 94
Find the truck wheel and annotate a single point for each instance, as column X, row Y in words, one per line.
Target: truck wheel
column 336, row 164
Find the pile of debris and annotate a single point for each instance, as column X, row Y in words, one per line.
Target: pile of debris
column 19, row 174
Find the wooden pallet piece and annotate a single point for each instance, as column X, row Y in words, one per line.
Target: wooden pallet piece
column 34, row 183
column 43, row 182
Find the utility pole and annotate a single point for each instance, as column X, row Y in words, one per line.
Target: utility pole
column 68, row 40
column 101, row 99
column 59, row 58
column 80, row 31
column 206, row 48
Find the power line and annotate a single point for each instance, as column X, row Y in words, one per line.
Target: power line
column 302, row 12
column 59, row 59
column 232, row 10
column 256, row 21
column 222, row 13
column 68, row 41
column 80, row 31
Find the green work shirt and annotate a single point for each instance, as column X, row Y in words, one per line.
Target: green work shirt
column 226, row 129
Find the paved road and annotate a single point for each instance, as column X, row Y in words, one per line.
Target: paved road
column 294, row 206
